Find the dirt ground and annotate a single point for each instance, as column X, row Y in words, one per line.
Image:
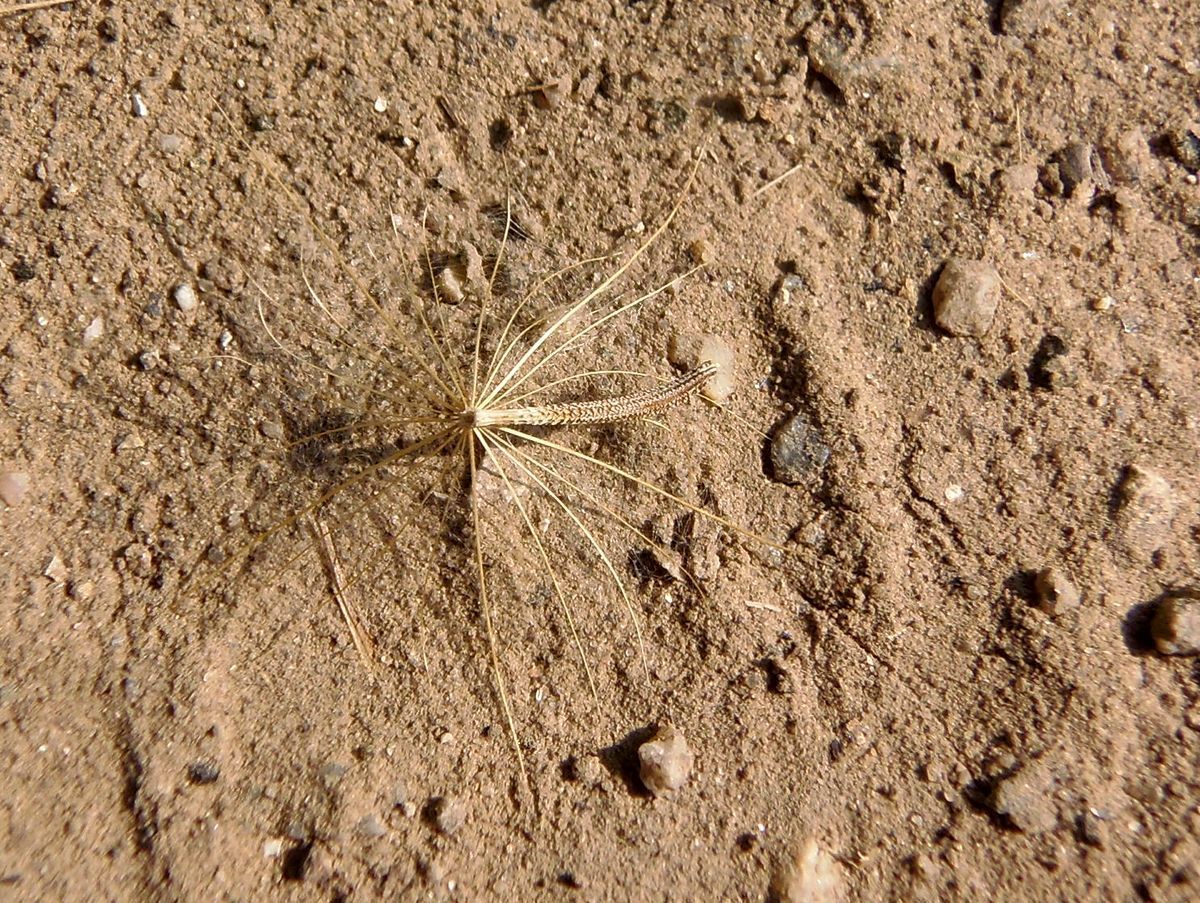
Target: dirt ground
column 890, row 706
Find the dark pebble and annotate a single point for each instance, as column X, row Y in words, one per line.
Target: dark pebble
column 798, row 451
column 203, row 772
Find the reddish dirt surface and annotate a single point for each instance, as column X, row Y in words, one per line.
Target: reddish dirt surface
column 888, row 687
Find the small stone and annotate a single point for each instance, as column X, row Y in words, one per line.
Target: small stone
column 797, row 451
column 82, row 590
column 138, row 107
column 690, row 350
column 185, row 297
column 811, row 877
column 170, row 144
column 1079, row 164
column 965, row 297
column 701, row 251
column 450, row 286
column 148, row 360
column 1126, row 158
column 665, row 762
column 23, row 271
column 1023, row 798
column 1146, row 508
column 272, row 429
column 552, row 92
column 202, row 772
column 93, row 331
column 273, row 849
column 128, row 442
column 1055, row 592
column 369, row 826
column 381, row 104
column 1176, row 623
column 1090, row 829
column 55, row 571
column 1184, row 144
column 1019, row 179
column 448, row 814
column 14, row 485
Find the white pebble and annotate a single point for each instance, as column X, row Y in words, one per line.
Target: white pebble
column 185, row 297
column 93, row 331
column 138, row 106
column 665, row 762
column 381, row 104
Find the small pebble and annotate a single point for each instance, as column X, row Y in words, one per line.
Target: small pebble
column 1079, row 163
column 1023, row 798
column 689, row 350
column 665, row 762
column 55, row 571
column 701, row 251
column 93, row 331
column 138, row 107
column 381, row 104
column 170, row 144
column 811, row 877
column 449, row 815
column 1127, row 157
column 1055, row 591
column 552, row 92
column 202, row 772
column 273, row 849
column 1019, row 179
column 1146, row 508
column 14, row 485
column 82, row 590
column 225, row 339
column 272, row 429
column 450, row 286
column 23, row 270
column 1184, row 143
column 797, row 451
column 1176, row 623
column 965, row 297
column 185, row 297
column 128, row 442
column 369, row 826
column 148, row 360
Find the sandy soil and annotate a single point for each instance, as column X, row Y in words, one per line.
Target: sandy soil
column 895, row 693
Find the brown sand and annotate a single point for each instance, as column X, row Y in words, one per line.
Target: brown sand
column 892, row 691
